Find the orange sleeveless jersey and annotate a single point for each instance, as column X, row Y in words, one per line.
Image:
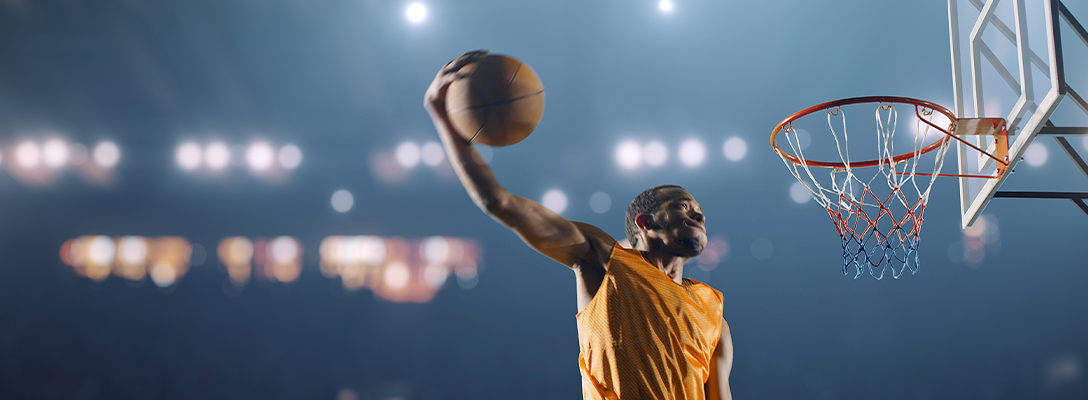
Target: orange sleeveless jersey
column 645, row 337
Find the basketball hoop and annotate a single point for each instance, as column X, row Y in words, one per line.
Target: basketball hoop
column 880, row 228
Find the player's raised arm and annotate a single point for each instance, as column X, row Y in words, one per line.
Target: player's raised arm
column 543, row 230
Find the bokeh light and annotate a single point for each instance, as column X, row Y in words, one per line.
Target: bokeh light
column 290, row 156
column 107, row 154
column 217, row 155
column 283, row 262
column 600, row 202
column 77, row 154
column 762, row 249
column 655, row 154
column 629, row 154
column 55, row 153
column 799, row 193
column 692, row 152
column 236, row 253
column 735, row 148
column 260, row 156
column 1036, row 154
column 407, row 154
column 416, row 12
column 188, row 156
column 665, row 5
column 396, row 276
column 715, row 252
column 163, row 275
column 555, row 200
column 342, row 201
column 132, row 257
column 28, row 154
column 432, row 153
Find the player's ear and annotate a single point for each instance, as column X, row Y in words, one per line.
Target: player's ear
column 644, row 221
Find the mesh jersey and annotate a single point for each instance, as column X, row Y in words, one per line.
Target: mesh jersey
column 645, row 337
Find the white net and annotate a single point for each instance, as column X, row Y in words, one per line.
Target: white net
column 876, row 205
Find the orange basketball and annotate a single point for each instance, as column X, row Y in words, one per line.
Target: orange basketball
column 498, row 103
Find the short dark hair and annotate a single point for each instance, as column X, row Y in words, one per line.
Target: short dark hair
column 645, row 203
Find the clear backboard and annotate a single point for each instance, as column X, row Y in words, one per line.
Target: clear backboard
column 1019, row 60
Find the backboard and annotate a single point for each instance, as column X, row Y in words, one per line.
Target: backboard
column 1009, row 60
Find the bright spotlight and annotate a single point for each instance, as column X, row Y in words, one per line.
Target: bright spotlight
column 188, row 156
column 629, row 154
column 106, row 154
column 432, row 153
column 408, row 154
column 655, row 153
column 260, row 156
column 217, row 155
column 290, row 156
column 342, row 201
column 799, row 193
column 28, row 154
column 416, row 12
column 1036, row 154
column 55, row 153
column 735, row 148
column 692, row 152
column 664, row 5
column 555, row 200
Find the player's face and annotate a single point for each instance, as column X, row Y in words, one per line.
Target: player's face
column 680, row 222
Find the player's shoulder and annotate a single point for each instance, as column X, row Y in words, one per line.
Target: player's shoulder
column 600, row 242
column 595, row 235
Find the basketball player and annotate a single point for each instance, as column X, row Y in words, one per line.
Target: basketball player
column 644, row 331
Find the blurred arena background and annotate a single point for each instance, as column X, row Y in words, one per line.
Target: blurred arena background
column 246, row 199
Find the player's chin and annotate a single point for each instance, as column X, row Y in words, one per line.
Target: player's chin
column 691, row 247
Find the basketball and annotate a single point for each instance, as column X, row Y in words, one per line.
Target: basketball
column 498, row 103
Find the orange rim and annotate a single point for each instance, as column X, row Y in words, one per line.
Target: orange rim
column 920, row 107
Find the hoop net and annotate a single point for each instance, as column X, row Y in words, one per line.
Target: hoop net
column 876, row 206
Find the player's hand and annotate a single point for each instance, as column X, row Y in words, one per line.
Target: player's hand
column 435, row 98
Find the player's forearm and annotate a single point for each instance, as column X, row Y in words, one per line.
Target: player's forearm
column 475, row 175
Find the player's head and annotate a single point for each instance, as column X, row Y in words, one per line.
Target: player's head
column 668, row 218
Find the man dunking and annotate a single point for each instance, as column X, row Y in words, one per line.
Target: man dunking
column 644, row 331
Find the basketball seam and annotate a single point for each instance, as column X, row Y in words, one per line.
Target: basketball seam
column 495, row 103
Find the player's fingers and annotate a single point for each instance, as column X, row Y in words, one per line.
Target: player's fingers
column 465, row 59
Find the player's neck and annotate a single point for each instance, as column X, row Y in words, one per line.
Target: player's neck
column 671, row 264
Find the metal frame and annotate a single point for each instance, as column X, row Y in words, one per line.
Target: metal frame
column 1038, row 120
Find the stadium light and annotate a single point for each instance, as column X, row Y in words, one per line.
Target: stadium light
column 416, row 12
column 188, row 156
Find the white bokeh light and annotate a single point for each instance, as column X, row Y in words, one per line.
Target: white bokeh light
column 408, row 154
column 629, row 154
column 799, row 194
column 284, row 249
column 655, row 154
column 28, row 154
column 290, row 156
column 735, row 148
column 416, row 12
column 665, row 5
column 396, row 276
column 1085, row 142
column 260, row 156
column 436, row 275
column 163, row 275
column 342, row 201
column 217, row 155
column 188, row 156
column 107, row 154
column 77, row 154
column 1036, row 154
column 555, row 200
column 692, row 152
column 600, row 202
column 432, row 153
column 55, row 153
